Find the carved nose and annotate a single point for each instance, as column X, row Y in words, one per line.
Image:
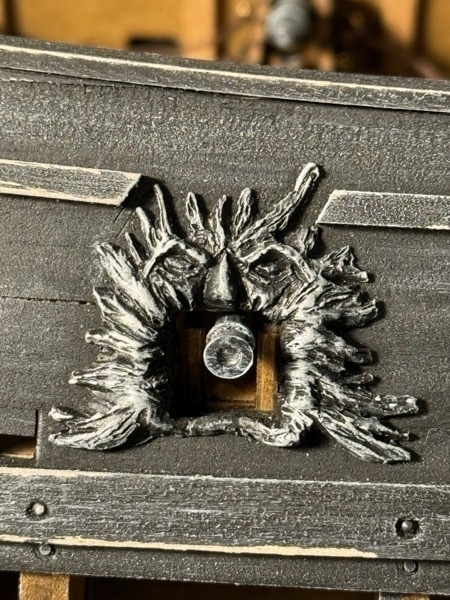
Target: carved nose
column 221, row 290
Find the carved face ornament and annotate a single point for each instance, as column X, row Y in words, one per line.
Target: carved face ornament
column 228, row 263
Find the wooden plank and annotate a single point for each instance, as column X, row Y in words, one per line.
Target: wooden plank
column 382, row 209
column 235, row 569
column 41, row 343
column 21, row 422
column 266, row 369
column 435, row 41
column 43, row 587
column 237, row 516
column 410, row 268
column 257, row 34
column 256, row 82
column 48, row 248
column 242, row 30
column 111, row 24
column 40, row 586
column 60, row 182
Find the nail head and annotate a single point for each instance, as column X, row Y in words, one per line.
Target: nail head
column 37, row 509
column 46, row 549
column 410, row 566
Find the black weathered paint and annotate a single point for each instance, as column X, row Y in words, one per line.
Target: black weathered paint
column 214, row 133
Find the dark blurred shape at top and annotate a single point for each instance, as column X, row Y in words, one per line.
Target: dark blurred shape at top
column 288, row 23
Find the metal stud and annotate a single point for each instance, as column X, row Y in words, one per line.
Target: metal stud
column 229, row 348
column 37, row 509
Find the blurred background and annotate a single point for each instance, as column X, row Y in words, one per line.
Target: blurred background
column 383, row 37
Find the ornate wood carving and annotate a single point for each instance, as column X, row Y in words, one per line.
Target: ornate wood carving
column 234, row 264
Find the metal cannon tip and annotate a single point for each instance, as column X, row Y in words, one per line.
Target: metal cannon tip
column 229, row 349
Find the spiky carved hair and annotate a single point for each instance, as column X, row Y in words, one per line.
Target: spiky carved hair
column 131, row 380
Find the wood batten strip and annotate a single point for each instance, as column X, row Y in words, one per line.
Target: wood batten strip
column 228, row 515
column 256, row 82
column 60, row 182
column 379, row 209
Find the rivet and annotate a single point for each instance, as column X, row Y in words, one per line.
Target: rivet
column 46, row 549
column 410, row 566
column 37, row 509
column 407, row 527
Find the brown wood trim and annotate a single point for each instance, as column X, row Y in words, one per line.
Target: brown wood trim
column 44, row 586
column 266, row 369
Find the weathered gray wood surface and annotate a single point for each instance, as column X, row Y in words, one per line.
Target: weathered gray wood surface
column 259, row 82
column 47, row 248
column 210, row 567
column 62, row 182
column 255, row 131
column 244, row 516
column 21, row 422
column 379, row 209
column 52, row 340
column 186, row 153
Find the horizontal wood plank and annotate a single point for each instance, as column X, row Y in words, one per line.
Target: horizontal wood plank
column 260, row 82
column 21, row 422
column 237, row 569
column 48, row 248
column 380, row 209
column 244, row 516
column 60, row 182
column 41, row 343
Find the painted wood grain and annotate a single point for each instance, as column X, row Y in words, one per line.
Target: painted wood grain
column 249, row 144
column 60, row 182
column 20, row 422
column 257, row 82
column 244, row 569
column 381, row 209
column 207, row 514
column 267, row 369
column 85, row 118
column 47, row 247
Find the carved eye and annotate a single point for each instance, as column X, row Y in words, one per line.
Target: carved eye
column 268, row 269
column 269, row 265
column 180, row 265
